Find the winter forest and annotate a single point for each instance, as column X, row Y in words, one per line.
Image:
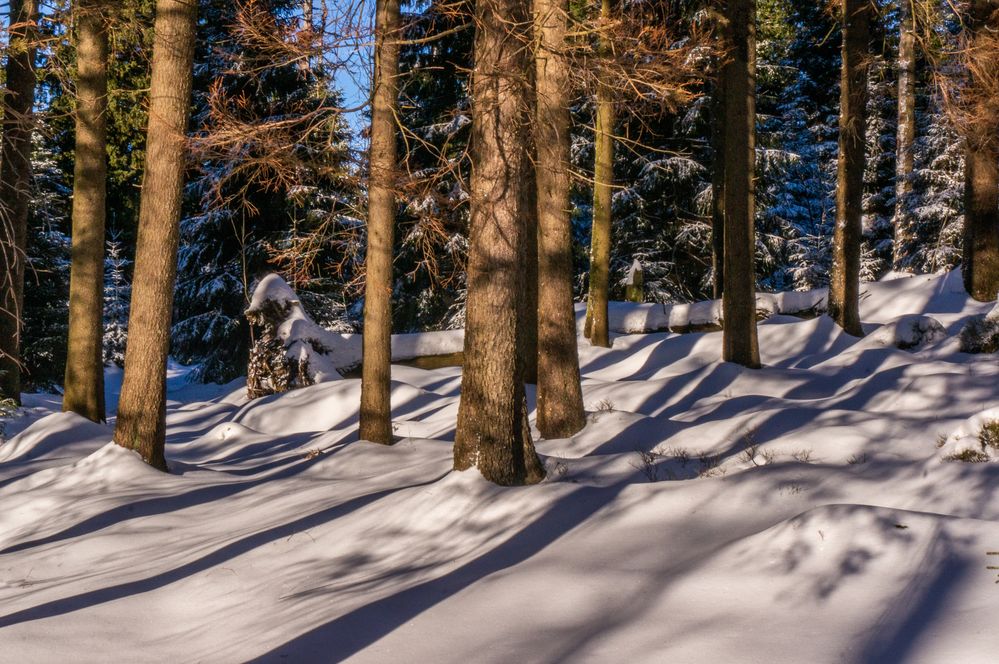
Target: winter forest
column 499, row 331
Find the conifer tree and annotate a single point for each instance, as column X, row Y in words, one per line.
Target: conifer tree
column 15, row 183
column 141, row 423
column 84, row 381
column 375, row 418
column 738, row 74
column 493, row 432
column 560, row 399
column 844, row 289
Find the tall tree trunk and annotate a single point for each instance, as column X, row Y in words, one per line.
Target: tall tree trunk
column 141, row 422
column 15, row 185
column 528, row 333
column 84, row 381
column 844, row 287
column 906, row 136
column 981, row 182
column 718, row 188
column 603, row 182
column 738, row 79
column 493, row 433
column 376, row 372
column 560, row 398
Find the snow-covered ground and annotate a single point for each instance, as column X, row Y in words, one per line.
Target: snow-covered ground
column 803, row 512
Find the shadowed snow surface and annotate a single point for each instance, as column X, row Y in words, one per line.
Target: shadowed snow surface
column 799, row 513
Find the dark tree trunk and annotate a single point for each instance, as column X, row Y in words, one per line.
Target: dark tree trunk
column 15, row 185
column 560, row 398
column 84, row 381
column 376, row 372
column 493, row 433
column 906, row 136
column 981, row 221
column 844, row 286
column 597, row 325
column 528, row 333
column 718, row 189
column 738, row 77
column 981, row 182
column 141, row 422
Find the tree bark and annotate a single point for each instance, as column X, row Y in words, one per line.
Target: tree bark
column 738, row 79
column 141, row 422
column 15, row 186
column 84, row 380
column 718, row 188
column 981, row 182
column 493, row 433
column 528, row 333
column 905, row 137
column 376, row 371
column 844, row 287
column 560, row 399
column 603, row 182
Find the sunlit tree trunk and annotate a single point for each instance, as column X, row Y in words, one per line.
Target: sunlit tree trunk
column 906, row 135
column 560, row 399
column 597, row 325
column 493, row 433
column 84, row 380
column 15, row 184
column 738, row 80
column 376, row 416
column 141, row 424
column 844, row 286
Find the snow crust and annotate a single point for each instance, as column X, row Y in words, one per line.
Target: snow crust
column 804, row 512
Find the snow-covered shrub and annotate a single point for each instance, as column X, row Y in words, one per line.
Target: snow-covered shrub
column 117, row 295
column 910, row 332
column 7, row 408
column 976, row 440
column 292, row 350
column 981, row 333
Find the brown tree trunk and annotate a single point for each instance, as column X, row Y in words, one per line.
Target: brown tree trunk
column 560, row 398
column 738, row 80
column 528, row 333
column 15, row 185
column 376, row 372
column 141, row 422
column 906, row 136
column 981, row 221
column 84, row 381
column 718, row 189
column 493, row 433
column 981, row 182
column 603, row 182
column 844, row 286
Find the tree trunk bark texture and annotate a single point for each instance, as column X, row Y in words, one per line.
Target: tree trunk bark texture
column 560, row 399
column 597, row 325
column 906, row 136
column 492, row 432
column 376, row 372
column 844, row 286
column 718, row 189
column 15, row 187
column 738, row 79
column 981, row 184
column 84, row 379
column 141, row 422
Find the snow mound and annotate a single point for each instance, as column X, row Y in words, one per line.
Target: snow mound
column 910, row 332
column 67, row 434
column 980, row 333
column 976, row 439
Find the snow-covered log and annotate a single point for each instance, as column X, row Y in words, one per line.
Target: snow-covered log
column 291, row 349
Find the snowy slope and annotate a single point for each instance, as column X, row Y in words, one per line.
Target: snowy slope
column 800, row 513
